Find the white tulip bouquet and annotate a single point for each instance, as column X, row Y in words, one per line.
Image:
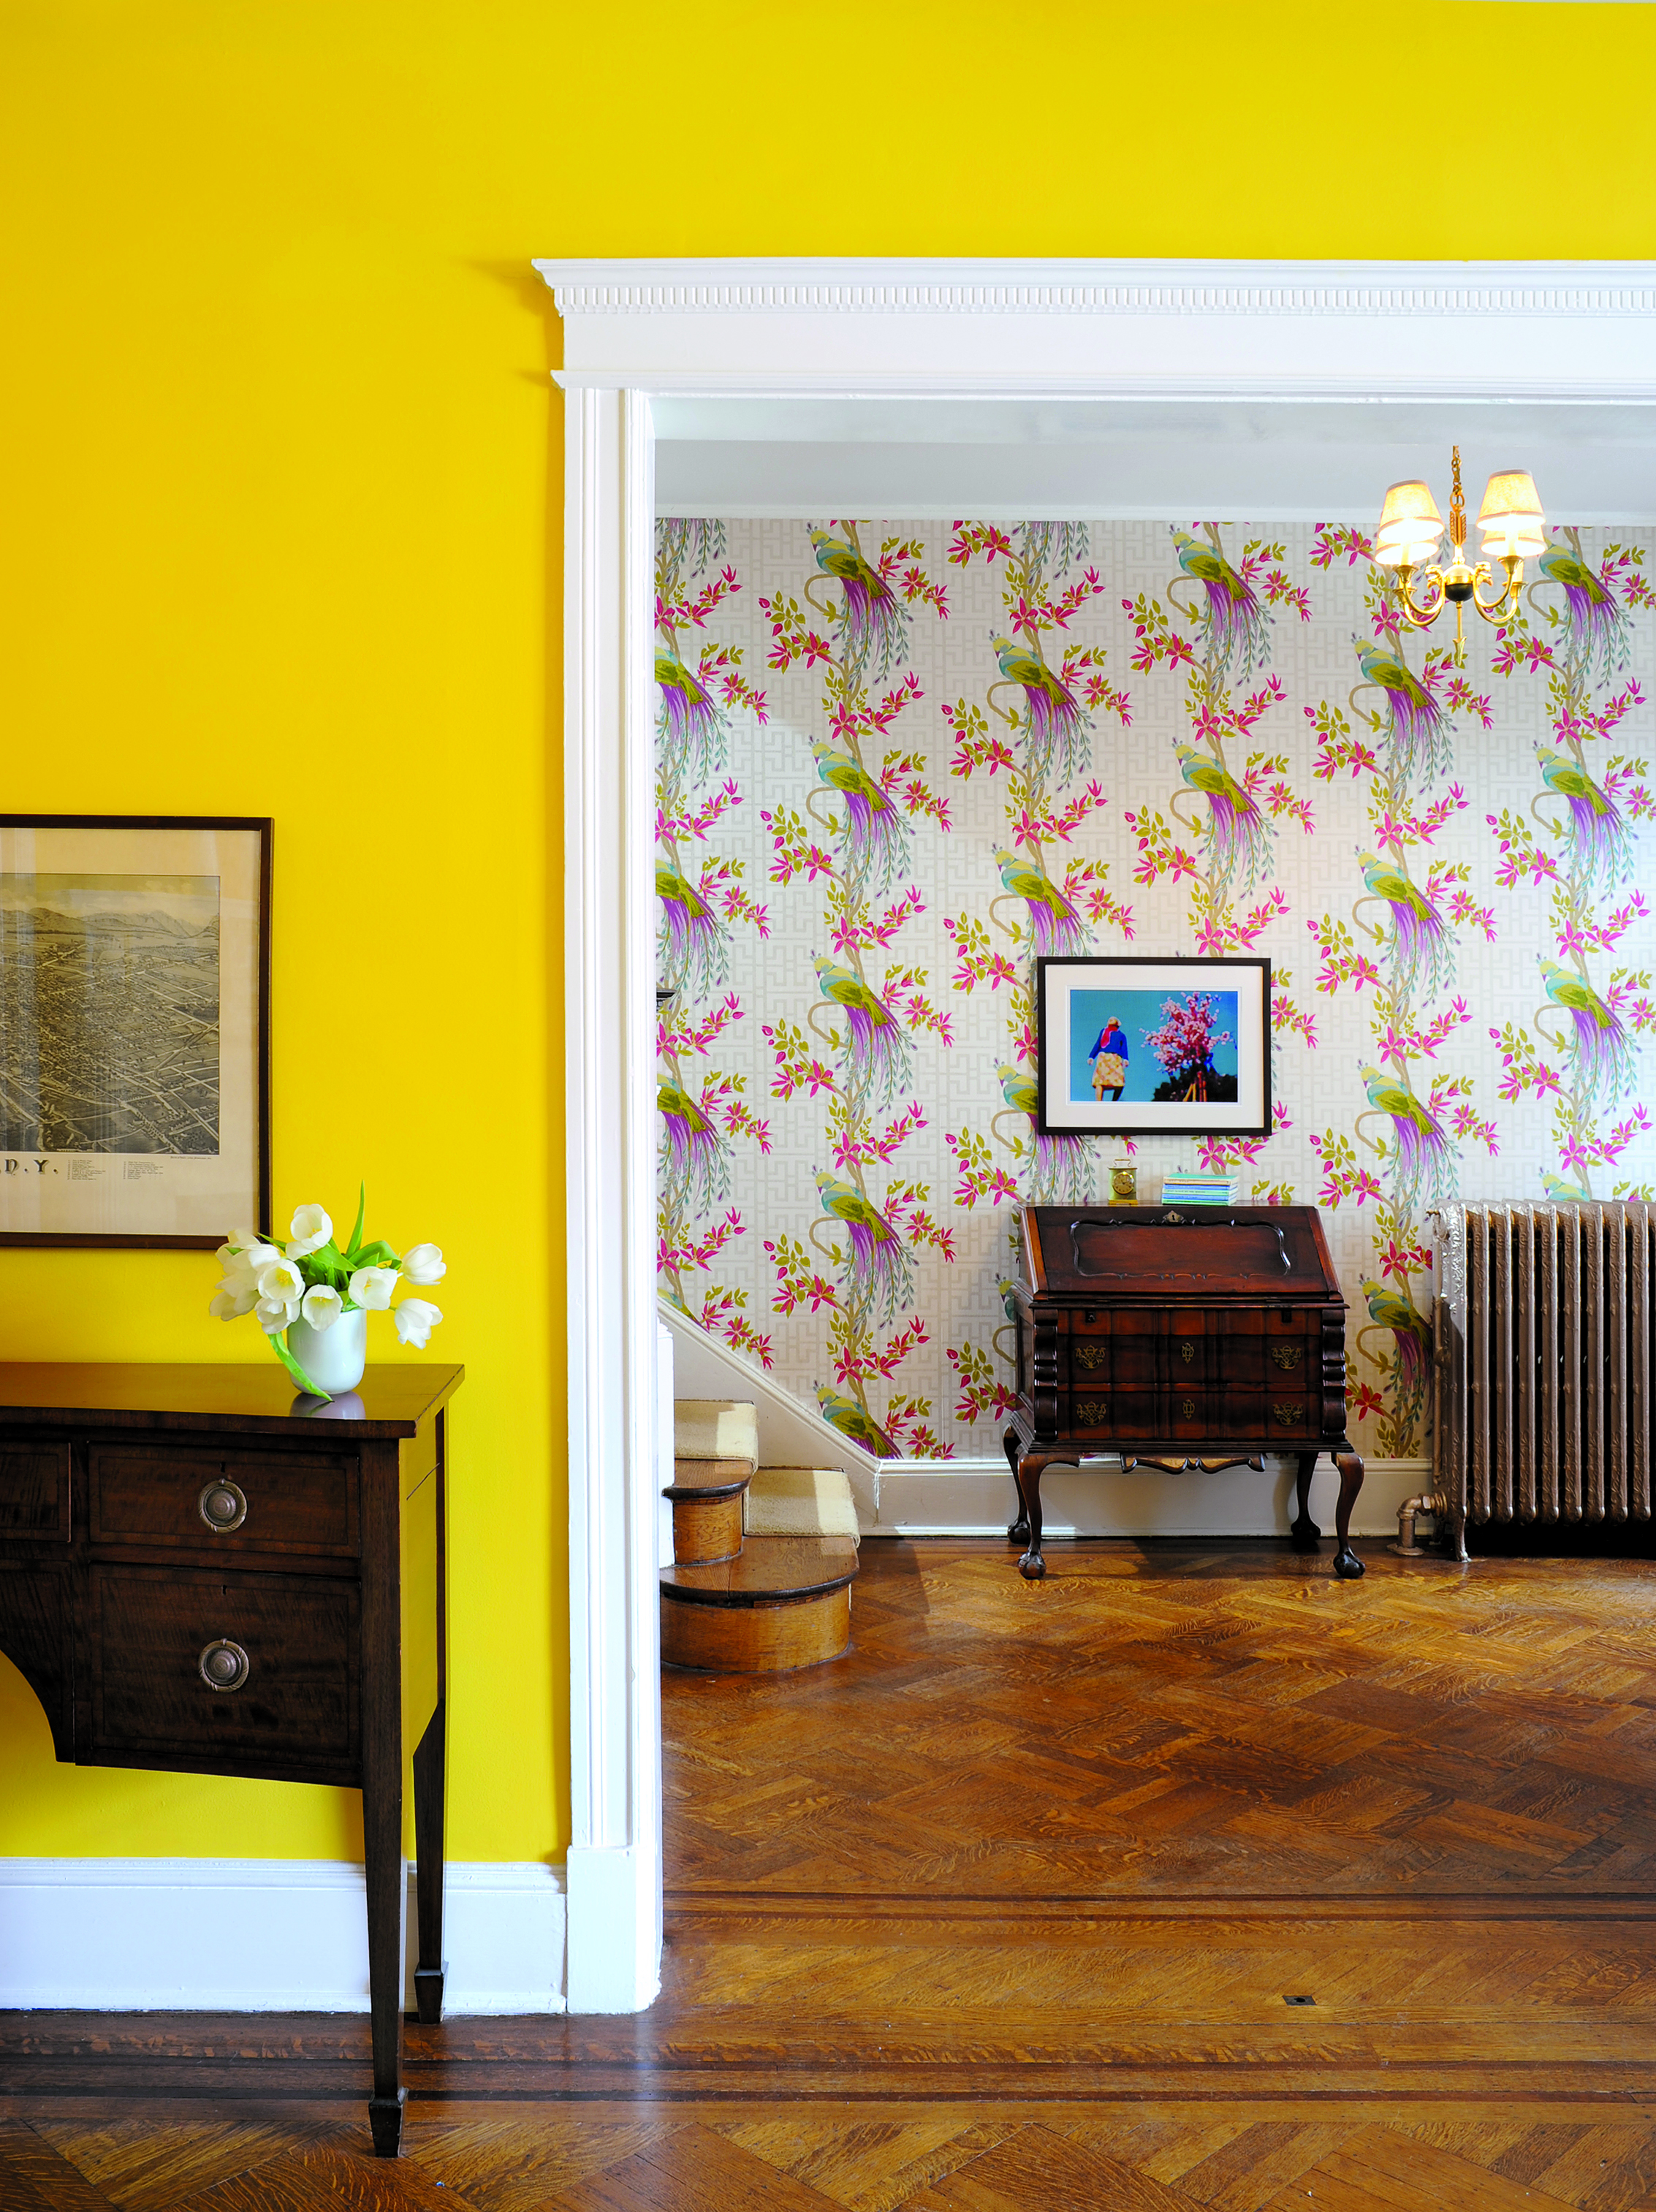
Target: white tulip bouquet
column 312, row 1280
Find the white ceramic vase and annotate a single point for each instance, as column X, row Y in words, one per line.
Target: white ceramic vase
column 333, row 1357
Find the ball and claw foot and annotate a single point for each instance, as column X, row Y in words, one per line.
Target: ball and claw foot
column 1303, row 1534
column 1031, row 1566
column 1018, row 1532
column 1347, row 1565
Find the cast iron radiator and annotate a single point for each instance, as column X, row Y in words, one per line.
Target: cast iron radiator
column 1544, row 1346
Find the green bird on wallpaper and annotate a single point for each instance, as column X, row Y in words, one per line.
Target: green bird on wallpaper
column 1238, row 622
column 1417, row 932
column 1054, row 717
column 1598, row 830
column 872, row 617
column 1597, row 620
column 696, row 942
column 878, row 1048
column 1603, row 1050
column 1053, row 922
column 1022, row 1095
column 691, row 724
column 849, row 1418
column 1420, row 1140
column 1018, row 1088
column 1417, row 724
column 880, row 1259
column 695, row 1150
column 1409, row 1326
column 878, row 829
column 1238, row 828
column 1560, row 1192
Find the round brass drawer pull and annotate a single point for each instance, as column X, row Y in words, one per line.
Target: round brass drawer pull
column 223, row 1665
column 223, row 1505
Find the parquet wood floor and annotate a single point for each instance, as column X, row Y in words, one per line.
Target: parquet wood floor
column 1001, row 1912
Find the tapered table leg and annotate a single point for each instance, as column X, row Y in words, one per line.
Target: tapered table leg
column 382, row 1788
column 429, row 1764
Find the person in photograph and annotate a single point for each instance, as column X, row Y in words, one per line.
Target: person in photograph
column 1108, row 1057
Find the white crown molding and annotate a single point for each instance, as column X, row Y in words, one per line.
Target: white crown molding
column 1102, row 288
column 1299, row 330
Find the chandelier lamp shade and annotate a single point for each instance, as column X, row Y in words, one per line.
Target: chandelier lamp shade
column 1411, row 529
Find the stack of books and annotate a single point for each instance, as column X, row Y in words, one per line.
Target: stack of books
column 1193, row 1187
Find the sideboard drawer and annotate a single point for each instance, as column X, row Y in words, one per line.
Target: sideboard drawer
column 257, row 1670
column 224, row 1502
column 34, row 1490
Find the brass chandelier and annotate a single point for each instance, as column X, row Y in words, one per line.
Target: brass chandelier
column 1411, row 528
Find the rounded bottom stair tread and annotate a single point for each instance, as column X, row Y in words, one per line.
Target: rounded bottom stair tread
column 785, row 1602
column 770, row 1570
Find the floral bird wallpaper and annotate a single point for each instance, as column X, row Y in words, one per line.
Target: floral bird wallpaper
column 897, row 762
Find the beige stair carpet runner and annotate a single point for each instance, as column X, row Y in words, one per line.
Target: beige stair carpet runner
column 800, row 1501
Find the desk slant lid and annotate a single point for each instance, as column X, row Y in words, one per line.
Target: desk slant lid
column 1202, row 1253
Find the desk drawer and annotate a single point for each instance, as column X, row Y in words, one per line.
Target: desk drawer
column 157, row 1633
column 224, row 1502
column 34, row 1490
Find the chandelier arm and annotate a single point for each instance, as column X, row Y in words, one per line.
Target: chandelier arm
column 1509, row 601
column 1420, row 618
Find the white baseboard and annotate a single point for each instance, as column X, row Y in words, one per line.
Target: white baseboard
column 262, row 1936
column 975, row 1498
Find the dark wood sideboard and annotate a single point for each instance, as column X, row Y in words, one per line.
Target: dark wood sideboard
column 196, row 1576
column 1217, row 1331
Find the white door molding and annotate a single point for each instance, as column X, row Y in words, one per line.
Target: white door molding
column 635, row 332
column 615, row 1728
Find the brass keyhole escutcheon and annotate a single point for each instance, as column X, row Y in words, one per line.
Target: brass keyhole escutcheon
column 223, row 1505
column 1288, row 1417
column 1287, row 1355
column 1187, row 1352
column 1187, row 1408
column 223, row 1665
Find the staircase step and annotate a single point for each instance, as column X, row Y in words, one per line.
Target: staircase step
column 715, row 1432
column 784, row 1602
column 800, row 1501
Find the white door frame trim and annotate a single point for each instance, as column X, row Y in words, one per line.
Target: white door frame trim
column 635, row 331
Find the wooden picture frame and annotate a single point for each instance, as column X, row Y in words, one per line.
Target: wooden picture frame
column 1110, row 1037
column 135, row 1029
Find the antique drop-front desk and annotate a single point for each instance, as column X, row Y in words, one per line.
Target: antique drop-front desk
column 197, row 1574
column 1217, row 1331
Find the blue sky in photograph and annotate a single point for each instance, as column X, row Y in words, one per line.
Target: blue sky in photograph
column 1139, row 1012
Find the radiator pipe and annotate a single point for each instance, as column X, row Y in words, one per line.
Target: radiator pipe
column 1432, row 1502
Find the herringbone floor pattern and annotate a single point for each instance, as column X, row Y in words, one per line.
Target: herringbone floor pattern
column 1187, row 1878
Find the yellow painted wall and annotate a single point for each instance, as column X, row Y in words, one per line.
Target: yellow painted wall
column 277, row 535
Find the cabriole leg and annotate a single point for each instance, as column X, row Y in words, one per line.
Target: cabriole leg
column 1018, row 1532
column 1347, row 1565
column 1303, row 1534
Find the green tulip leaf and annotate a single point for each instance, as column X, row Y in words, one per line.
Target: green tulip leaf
column 297, row 1372
column 361, row 1215
column 377, row 1254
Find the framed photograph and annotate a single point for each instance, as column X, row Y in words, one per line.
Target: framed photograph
column 1153, row 1048
column 135, row 1029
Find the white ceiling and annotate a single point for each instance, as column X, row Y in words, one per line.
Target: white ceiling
column 1291, row 460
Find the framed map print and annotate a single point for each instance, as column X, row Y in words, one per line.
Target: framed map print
column 1141, row 1048
column 135, row 966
